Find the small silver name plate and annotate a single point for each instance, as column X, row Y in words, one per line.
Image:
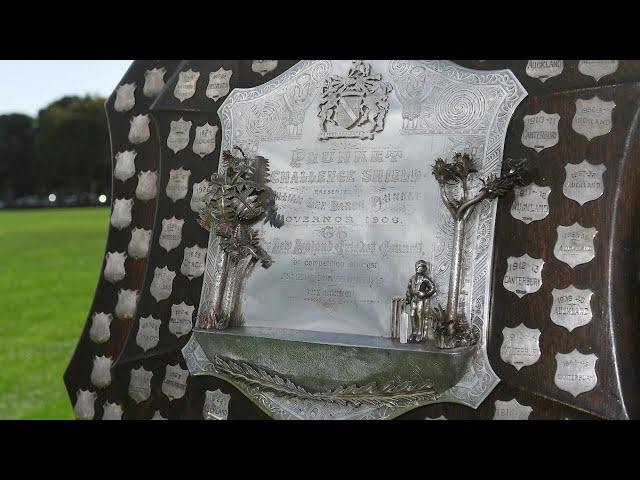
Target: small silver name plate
column 540, row 130
column 174, row 384
column 597, row 68
column 181, row 320
column 148, row 334
column 162, row 283
column 571, row 307
column 524, row 275
column 186, row 86
column 543, row 70
column 574, row 245
column 593, row 117
column 216, row 405
column 530, row 203
column 140, row 384
column 171, row 234
column 576, row 372
column 584, row 181
column 511, row 410
column 520, row 346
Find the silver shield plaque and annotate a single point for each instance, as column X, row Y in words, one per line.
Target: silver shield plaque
column 147, row 187
column 198, row 194
column 520, row 346
column 358, row 211
column 186, row 85
column 126, row 306
column 174, row 384
column 576, row 372
column 101, row 372
column 583, row 182
column 153, row 81
column 148, row 334
column 597, row 68
column 178, row 137
column 139, row 243
column 216, row 405
column 178, row 184
column 204, row 142
column 84, row 408
column 543, row 70
column 157, row 416
column 181, row 320
column 511, row 410
column 540, row 130
column 171, row 234
column 140, row 384
column 100, row 330
column 593, row 117
column 139, row 129
column 162, row 283
column 218, row 84
column 121, row 214
column 571, row 307
column 114, row 270
column 524, row 275
column 125, row 97
column 264, row 66
column 125, row 165
column 574, row 245
column 111, row 411
column 193, row 261
column 530, row 203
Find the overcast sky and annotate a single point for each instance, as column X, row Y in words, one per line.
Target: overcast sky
column 26, row 86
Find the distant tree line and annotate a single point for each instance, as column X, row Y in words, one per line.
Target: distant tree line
column 65, row 150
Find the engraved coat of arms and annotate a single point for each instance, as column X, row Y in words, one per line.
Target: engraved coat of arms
column 354, row 106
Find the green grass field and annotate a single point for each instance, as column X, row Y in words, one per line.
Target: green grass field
column 49, row 266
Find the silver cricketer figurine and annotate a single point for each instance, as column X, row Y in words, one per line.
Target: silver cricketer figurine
column 420, row 289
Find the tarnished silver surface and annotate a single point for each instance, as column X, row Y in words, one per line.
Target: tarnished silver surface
column 125, row 97
column 193, row 261
column 178, row 184
column 139, row 244
column 140, row 384
column 593, row 117
column 583, row 182
column 511, row 410
column 139, row 129
column 597, row 68
column 147, row 187
column 181, row 320
column 153, row 81
column 543, row 70
column 125, row 165
column 574, row 245
column 198, row 193
column 576, row 372
column 520, row 346
column 162, row 283
column 121, row 214
column 530, row 203
column 218, row 86
column 358, row 213
column 112, row 411
column 186, row 86
column 148, row 334
column 216, row 405
column 205, row 141
column 174, row 384
column 171, row 233
column 540, row 130
column 114, row 269
column 264, row 66
column 101, row 371
column 84, row 408
column 178, row 137
column 571, row 307
column 523, row 275
column 126, row 306
column 100, row 330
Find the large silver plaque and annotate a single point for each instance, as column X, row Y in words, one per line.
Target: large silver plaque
column 530, row 203
column 520, row 346
column 571, row 307
column 574, row 245
column 597, row 68
column 540, row 130
column 543, row 70
column 511, row 410
column 584, row 181
column 524, row 275
column 576, row 372
column 593, row 117
column 350, row 148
